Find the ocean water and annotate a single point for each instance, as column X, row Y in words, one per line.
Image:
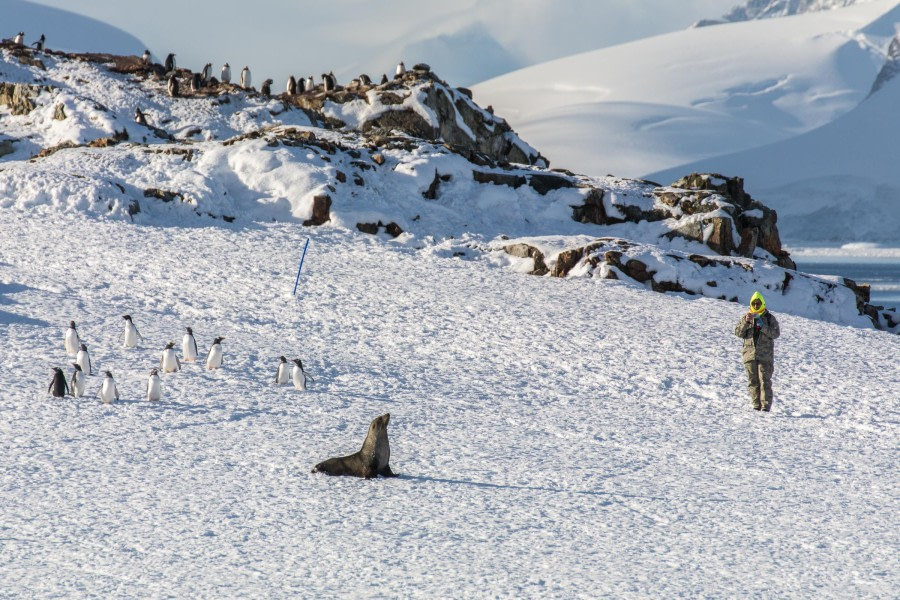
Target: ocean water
column 879, row 267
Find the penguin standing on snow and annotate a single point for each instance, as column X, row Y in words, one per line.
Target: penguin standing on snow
column 78, row 382
column 39, row 45
column 298, row 374
column 226, row 73
column 132, row 335
column 291, row 85
column 172, row 86
column 108, row 391
column 169, row 360
column 154, row 386
column 58, row 386
column 139, row 117
column 72, row 341
column 245, row 77
column 189, row 346
column 84, row 359
column 283, row 374
column 170, row 63
column 214, row 358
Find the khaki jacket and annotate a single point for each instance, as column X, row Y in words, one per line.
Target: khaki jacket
column 759, row 344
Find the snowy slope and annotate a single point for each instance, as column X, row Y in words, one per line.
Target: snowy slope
column 555, row 437
column 768, row 9
column 836, row 184
column 664, row 101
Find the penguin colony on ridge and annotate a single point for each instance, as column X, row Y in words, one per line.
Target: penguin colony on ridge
column 169, row 363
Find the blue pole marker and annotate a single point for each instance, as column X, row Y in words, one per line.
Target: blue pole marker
column 296, row 283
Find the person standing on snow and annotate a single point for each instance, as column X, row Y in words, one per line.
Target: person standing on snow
column 758, row 328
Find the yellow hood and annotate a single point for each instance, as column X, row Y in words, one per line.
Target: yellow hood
column 762, row 306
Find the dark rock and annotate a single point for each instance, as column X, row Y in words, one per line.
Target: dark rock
column 526, row 251
column 321, row 211
column 514, row 181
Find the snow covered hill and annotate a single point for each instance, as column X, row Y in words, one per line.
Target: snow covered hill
column 556, row 437
column 665, row 101
column 769, row 9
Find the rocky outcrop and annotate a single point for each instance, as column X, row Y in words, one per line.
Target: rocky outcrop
column 527, row 251
column 891, row 67
column 19, row 97
column 321, row 210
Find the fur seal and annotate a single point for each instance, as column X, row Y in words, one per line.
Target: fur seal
column 371, row 460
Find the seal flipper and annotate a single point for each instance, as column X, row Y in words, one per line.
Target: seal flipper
column 386, row 472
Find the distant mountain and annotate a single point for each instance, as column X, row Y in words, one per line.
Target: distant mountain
column 65, row 30
column 767, row 9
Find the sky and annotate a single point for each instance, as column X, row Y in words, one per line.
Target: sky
column 465, row 42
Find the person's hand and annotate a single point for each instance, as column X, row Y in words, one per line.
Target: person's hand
column 749, row 317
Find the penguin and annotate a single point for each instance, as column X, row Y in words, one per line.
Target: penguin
column 214, row 358
column 298, row 374
column 226, row 73
column 189, row 346
column 145, row 57
column 108, row 391
column 245, row 77
column 333, row 80
column 327, row 82
column 310, row 84
column 19, row 39
column 173, row 86
column 401, row 69
column 206, row 74
column 154, row 386
column 168, row 362
column 132, row 335
column 78, row 382
column 283, row 374
column 58, row 387
column 301, row 85
column 291, row 86
column 266, row 88
column 196, row 82
column 39, row 45
column 170, row 63
column 72, row 341
column 384, row 79
column 364, row 79
column 139, row 117
column 84, row 359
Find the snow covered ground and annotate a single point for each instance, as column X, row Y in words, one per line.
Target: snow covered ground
column 555, row 438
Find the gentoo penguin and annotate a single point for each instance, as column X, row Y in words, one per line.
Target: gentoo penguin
column 20, row 38
column 139, row 117
column 327, row 84
column 72, row 341
column 245, row 77
column 168, row 362
column 84, row 359
column 365, row 79
column 58, row 386
column 266, row 88
column 145, row 57
column 108, row 391
column 154, row 386
column 301, row 85
column 79, row 381
column 206, row 74
column 172, row 86
column 39, row 45
column 310, row 84
column 132, row 335
column 401, row 69
column 283, row 374
column 196, row 82
column 170, row 63
column 226, row 73
column 298, row 374
column 384, row 79
column 291, row 85
column 214, row 358
column 189, row 346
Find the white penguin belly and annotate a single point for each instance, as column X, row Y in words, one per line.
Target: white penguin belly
column 283, row 374
column 72, row 342
column 299, row 378
column 131, row 336
column 108, row 392
column 154, row 389
column 83, row 361
column 214, row 360
column 189, row 349
column 78, row 386
column 169, row 361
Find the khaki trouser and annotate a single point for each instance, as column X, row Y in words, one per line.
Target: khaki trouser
column 759, row 382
